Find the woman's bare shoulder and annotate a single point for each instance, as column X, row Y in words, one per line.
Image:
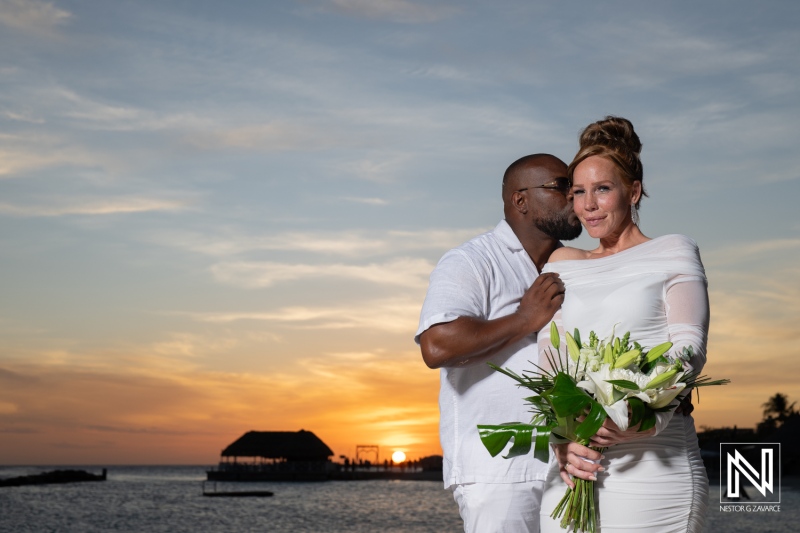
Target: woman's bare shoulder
column 566, row 253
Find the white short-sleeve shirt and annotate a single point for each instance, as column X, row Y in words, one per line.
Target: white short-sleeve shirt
column 483, row 278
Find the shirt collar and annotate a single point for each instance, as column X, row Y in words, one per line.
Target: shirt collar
column 507, row 236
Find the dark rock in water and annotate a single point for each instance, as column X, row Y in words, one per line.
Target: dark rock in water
column 240, row 493
column 56, row 476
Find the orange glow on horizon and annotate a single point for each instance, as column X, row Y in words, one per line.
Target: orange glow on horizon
column 84, row 408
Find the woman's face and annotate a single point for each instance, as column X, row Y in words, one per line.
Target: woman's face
column 602, row 198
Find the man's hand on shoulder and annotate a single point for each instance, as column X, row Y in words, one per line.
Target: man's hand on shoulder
column 541, row 301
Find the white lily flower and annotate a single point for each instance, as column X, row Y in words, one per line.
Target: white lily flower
column 660, row 369
column 598, row 386
column 642, row 395
column 664, row 396
column 618, row 412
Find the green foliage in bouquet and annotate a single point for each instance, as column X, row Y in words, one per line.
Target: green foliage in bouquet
column 579, row 389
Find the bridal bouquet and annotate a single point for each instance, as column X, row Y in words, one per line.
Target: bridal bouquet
column 593, row 380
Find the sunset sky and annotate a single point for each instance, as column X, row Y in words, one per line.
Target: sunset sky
column 218, row 217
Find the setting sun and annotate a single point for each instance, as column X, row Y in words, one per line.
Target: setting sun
column 398, row 457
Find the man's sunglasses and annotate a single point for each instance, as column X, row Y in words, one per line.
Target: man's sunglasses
column 562, row 185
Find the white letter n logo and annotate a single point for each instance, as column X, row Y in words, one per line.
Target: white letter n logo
column 737, row 464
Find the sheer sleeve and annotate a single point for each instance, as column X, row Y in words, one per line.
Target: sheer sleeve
column 687, row 319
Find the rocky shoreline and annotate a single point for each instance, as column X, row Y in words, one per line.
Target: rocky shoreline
column 55, row 476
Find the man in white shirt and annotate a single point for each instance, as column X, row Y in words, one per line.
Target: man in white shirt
column 485, row 302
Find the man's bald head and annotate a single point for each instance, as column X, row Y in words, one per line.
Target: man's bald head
column 515, row 177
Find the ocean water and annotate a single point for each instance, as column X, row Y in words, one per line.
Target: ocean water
column 169, row 499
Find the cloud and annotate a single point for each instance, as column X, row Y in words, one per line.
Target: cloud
column 24, row 153
column 275, row 136
column 446, row 72
column 187, row 346
column 366, row 126
column 43, row 102
column 105, row 206
column 19, row 430
column 404, row 272
column 773, row 84
column 680, row 52
column 24, row 117
column 233, row 242
column 732, row 136
column 692, row 53
column 8, row 408
column 351, row 243
column 392, row 315
column 394, row 10
column 437, row 239
column 741, row 252
column 32, row 15
column 381, row 171
column 90, row 113
column 368, row 201
column 137, row 430
column 10, row 377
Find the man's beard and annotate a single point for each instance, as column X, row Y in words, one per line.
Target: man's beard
column 559, row 227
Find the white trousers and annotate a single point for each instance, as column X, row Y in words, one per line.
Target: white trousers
column 500, row 507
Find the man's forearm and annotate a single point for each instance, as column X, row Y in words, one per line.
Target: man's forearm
column 467, row 341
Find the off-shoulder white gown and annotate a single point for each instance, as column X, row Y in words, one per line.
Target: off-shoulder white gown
column 657, row 291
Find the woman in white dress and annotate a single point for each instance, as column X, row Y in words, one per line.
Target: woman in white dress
column 651, row 481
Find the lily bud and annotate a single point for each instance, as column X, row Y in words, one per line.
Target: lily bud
column 608, row 355
column 626, row 358
column 572, row 347
column 661, row 379
column 555, row 338
column 657, row 351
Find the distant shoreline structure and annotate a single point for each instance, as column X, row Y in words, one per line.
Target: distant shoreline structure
column 53, row 477
column 302, row 456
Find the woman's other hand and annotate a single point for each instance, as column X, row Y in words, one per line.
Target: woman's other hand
column 572, row 461
column 610, row 434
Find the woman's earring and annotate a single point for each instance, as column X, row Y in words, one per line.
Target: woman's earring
column 634, row 214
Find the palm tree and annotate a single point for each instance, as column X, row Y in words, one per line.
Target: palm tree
column 778, row 405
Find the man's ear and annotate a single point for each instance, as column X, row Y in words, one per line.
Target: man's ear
column 520, row 202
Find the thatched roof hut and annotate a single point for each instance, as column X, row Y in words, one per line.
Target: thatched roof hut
column 287, row 445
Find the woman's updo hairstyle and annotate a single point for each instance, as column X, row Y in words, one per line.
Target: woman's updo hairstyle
column 614, row 139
